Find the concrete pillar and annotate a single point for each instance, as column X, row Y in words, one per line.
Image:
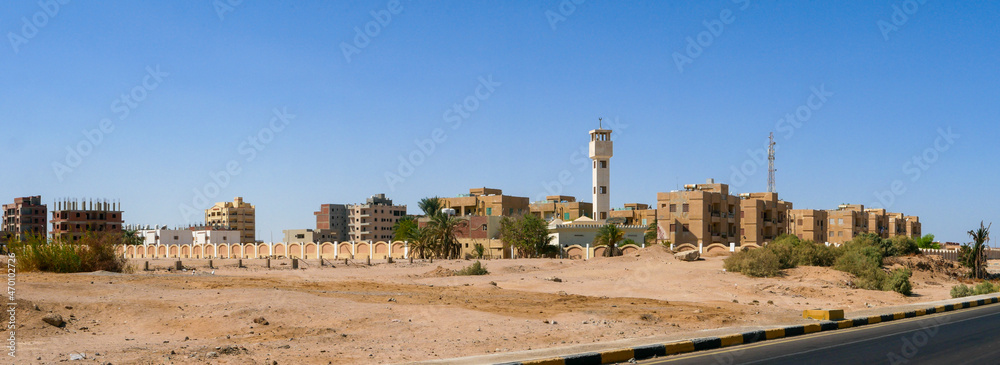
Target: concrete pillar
column 295, row 263
column 732, row 246
column 336, row 249
column 389, row 259
column 368, row 260
column 406, row 250
column 239, row 263
column 701, row 247
column 671, row 247
column 209, row 264
column 267, row 262
column 178, row 266
column 588, row 252
column 146, row 267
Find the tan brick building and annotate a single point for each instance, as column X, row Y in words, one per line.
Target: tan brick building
column 333, row 218
column 236, row 215
column 488, row 202
column 913, row 226
column 808, row 224
column 27, row 216
column 72, row 219
column 878, row 222
column 701, row 213
column 561, row 207
column 373, row 220
column 845, row 222
column 763, row 217
column 634, row 214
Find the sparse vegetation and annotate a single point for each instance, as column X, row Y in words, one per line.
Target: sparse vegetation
column 93, row 252
column 475, row 269
column 861, row 257
column 529, row 235
column 962, row 290
column 972, row 255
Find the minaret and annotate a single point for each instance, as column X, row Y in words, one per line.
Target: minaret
column 601, row 151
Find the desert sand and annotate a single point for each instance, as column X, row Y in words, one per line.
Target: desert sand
column 403, row 312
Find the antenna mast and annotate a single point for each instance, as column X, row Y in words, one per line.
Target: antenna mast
column 770, row 163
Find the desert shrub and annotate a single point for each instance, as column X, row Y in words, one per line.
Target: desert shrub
column 811, row 254
column 785, row 251
column 902, row 246
column 865, row 263
column 755, row 263
column 960, row 290
column 475, row 269
column 899, row 281
column 93, row 252
column 985, row 287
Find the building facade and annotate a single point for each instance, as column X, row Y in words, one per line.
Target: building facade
column 333, row 218
column 701, row 213
column 913, row 226
column 808, row 224
column 561, row 207
column 878, row 222
column 373, row 221
column 73, row 219
column 237, row 215
column 601, row 151
column 487, row 202
column 308, row 235
column 633, row 214
column 27, row 216
column 846, row 222
column 763, row 217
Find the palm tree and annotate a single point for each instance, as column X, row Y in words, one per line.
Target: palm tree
column 609, row 235
column 974, row 254
column 444, row 229
column 430, row 206
column 131, row 237
column 651, row 234
column 421, row 242
column 404, row 229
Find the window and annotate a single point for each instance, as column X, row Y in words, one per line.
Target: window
column 604, row 190
column 673, row 228
column 644, row 222
column 686, row 228
column 604, row 215
column 565, row 216
column 673, row 208
column 684, row 208
column 511, row 211
column 840, row 234
column 742, row 214
column 489, row 211
column 604, row 164
column 840, row 221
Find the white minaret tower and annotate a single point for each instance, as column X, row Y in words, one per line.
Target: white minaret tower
column 601, row 151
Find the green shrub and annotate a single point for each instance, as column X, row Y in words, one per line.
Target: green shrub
column 902, row 246
column 812, row 254
column 475, row 269
column 755, row 263
column 93, row 252
column 985, row 287
column 865, row 263
column 899, row 281
column 960, row 290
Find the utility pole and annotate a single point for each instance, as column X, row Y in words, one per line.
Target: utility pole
column 770, row 163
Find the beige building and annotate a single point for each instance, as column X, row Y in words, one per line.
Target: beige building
column 373, row 221
column 236, row 215
column 763, row 217
column 488, row 202
column 308, row 235
column 913, row 226
column 701, row 213
column 847, row 221
column 808, row 224
column 333, row 218
column 561, row 207
column 633, row 214
column 73, row 219
column 878, row 222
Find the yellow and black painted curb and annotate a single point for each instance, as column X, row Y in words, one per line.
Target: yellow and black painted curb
column 711, row 343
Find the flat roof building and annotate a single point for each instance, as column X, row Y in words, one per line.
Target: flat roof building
column 308, row 236
column 333, row 218
column 808, row 224
column 237, row 215
column 633, row 214
column 561, row 207
column 763, row 217
column 488, row 202
column 27, row 216
column 701, row 213
column 373, row 221
column 846, row 222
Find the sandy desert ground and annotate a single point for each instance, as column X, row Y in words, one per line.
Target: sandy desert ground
column 402, row 312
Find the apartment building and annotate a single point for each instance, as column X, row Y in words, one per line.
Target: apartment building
column 237, row 215
column 846, row 222
column 701, row 213
column 72, row 219
column 878, row 222
column 637, row 214
column 187, row 236
column 27, row 216
column 373, row 221
column 763, row 217
column 913, row 226
column 808, row 224
column 488, row 202
column 333, row 218
column 561, row 207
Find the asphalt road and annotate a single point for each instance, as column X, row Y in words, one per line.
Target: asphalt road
column 967, row 336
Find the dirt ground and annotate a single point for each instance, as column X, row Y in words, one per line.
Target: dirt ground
column 402, row 312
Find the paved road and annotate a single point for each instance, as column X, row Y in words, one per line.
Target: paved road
column 968, row 336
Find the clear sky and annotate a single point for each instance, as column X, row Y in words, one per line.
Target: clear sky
column 286, row 105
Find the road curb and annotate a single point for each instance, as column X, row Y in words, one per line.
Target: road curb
column 711, row 343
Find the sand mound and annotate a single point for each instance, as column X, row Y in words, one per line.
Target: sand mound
column 654, row 252
column 928, row 263
column 439, row 272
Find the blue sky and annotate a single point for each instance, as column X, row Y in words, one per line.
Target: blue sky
column 191, row 88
